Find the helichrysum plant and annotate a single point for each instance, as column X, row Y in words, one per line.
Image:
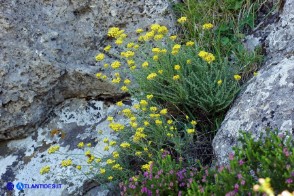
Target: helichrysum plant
column 184, row 76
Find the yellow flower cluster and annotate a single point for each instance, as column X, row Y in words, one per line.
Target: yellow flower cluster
column 206, row 56
column 120, row 103
column 124, row 88
column 102, row 171
column 101, row 76
column 90, row 159
column 45, row 170
column 128, row 54
column 127, row 112
column 139, row 134
column 116, row 80
column 99, row 57
column 207, row 26
column 143, row 103
column 190, row 131
column 173, row 37
column 53, row 149
column 66, row 163
column 193, row 122
column 157, row 32
column 163, row 112
column 145, row 64
column 116, row 126
column 182, row 20
column 176, row 49
column 112, row 143
column 115, row 64
column 139, row 31
column 147, row 166
column 151, row 76
column 237, row 77
column 81, row 145
column 110, row 161
column 115, row 154
column 125, row 145
column 190, row 43
column 177, row 67
column 115, row 32
column 176, row 77
column 107, row 48
column 117, row 167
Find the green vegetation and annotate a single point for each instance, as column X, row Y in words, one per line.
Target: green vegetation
column 273, row 156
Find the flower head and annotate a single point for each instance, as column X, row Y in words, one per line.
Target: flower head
column 99, row 57
column 207, row 26
column 115, row 64
column 53, row 149
column 45, row 170
column 190, row 131
column 189, row 43
column 139, row 31
column 151, row 76
column 80, row 145
column 176, row 77
column 107, row 48
column 125, row 145
column 173, row 37
column 182, row 20
column 237, row 77
column 66, row 163
column 145, row 64
column 177, row 67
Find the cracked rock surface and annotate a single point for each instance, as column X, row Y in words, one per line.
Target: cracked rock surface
column 267, row 100
column 73, row 121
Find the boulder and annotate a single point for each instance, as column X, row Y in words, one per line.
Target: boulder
column 267, row 99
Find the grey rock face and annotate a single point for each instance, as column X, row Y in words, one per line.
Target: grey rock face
column 267, row 100
column 73, row 121
column 47, row 53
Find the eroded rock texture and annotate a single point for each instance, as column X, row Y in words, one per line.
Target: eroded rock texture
column 47, row 53
column 268, row 99
column 73, row 121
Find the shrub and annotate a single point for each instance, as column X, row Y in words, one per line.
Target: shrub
column 182, row 77
column 272, row 156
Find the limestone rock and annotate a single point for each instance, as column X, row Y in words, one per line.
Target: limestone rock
column 267, row 100
column 47, row 53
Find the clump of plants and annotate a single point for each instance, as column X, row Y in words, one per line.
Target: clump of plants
column 271, row 156
column 184, row 78
column 232, row 19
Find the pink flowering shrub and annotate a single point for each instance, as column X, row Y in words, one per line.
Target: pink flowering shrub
column 272, row 157
column 167, row 178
